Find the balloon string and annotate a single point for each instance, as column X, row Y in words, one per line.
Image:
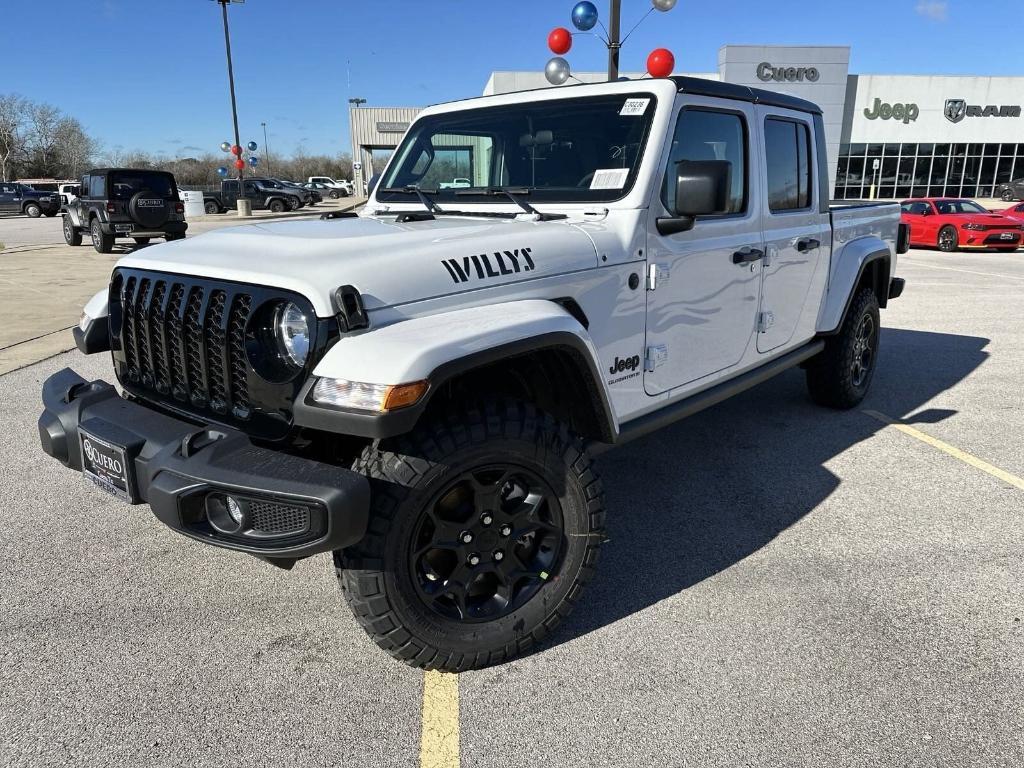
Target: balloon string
column 607, row 37
column 649, row 12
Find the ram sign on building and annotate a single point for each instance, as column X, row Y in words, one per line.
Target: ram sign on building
column 890, row 136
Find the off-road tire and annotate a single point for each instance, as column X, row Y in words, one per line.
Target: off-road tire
column 72, row 235
column 103, row 243
column 211, row 208
column 277, row 206
column 33, row 211
column 951, row 243
column 406, row 474
column 831, row 373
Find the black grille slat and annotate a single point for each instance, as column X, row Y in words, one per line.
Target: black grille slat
column 195, row 346
column 130, row 352
column 141, row 326
column 241, row 306
column 176, row 343
column 157, row 337
column 216, row 352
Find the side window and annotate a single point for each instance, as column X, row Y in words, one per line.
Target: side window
column 250, row 188
column 83, row 188
column 788, row 156
column 96, row 186
column 921, row 209
column 707, row 135
column 6, row 189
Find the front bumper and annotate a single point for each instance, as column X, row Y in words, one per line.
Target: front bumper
column 180, row 466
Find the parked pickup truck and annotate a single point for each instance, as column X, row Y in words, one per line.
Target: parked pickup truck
column 264, row 194
column 22, row 199
column 422, row 389
column 341, row 187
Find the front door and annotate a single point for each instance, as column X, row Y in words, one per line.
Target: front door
column 797, row 234
column 916, row 214
column 702, row 306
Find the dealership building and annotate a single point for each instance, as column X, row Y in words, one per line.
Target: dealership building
column 889, row 136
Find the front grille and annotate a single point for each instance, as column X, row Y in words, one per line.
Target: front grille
column 178, row 348
column 282, row 519
column 185, row 342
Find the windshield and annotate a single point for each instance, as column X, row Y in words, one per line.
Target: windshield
column 948, row 207
column 569, row 150
column 124, row 184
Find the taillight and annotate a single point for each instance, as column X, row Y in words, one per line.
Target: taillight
column 179, row 207
column 111, row 208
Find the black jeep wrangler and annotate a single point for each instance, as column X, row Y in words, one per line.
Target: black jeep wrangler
column 125, row 202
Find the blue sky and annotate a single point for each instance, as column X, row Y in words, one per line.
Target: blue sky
column 152, row 73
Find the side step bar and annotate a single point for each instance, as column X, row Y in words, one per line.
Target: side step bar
column 652, row 422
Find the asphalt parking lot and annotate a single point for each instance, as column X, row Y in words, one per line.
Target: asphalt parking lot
column 784, row 585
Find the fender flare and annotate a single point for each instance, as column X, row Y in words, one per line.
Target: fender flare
column 438, row 348
column 856, row 257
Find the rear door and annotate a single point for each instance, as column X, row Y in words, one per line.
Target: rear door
column 7, row 194
column 702, row 309
column 797, row 229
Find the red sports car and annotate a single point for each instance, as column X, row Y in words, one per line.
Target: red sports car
column 1017, row 212
column 951, row 224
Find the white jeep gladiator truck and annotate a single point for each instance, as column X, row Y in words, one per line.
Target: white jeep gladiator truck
column 420, row 389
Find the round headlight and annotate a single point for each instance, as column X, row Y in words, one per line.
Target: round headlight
column 292, row 333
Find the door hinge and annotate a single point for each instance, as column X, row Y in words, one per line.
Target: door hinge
column 765, row 320
column 656, row 355
column 656, row 274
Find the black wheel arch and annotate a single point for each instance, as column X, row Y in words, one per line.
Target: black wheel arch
column 555, row 371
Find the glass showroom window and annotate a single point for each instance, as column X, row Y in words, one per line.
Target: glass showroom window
column 898, row 171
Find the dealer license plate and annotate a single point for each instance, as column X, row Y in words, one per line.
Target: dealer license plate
column 123, row 227
column 106, row 466
column 1007, row 236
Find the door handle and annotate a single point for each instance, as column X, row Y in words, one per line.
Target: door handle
column 747, row 256
column 808, row 244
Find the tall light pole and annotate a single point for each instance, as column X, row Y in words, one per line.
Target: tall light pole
column 231, row 79
column 266, row 146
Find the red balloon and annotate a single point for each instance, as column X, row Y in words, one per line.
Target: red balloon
column 661, row 62
column 560, row 40
column 239, row 163
column 236, row 150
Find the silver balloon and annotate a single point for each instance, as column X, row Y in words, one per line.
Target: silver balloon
column 557, row 71
column 225, row 146
column 664, row 5
column 252, row 146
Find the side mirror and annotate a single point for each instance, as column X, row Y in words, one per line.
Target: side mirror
column 702, row 189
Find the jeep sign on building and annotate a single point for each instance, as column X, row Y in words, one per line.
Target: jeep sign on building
column 930, row 135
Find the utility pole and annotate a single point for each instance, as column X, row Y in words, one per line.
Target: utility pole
column 266, row 146
column 231, row 78
column 614, row 44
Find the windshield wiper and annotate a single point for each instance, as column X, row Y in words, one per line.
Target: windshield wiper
column 514, row 196
column 412, row 189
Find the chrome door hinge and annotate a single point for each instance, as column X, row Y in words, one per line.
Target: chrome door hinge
column 656, row 355
column 656, row 274
column 765, row 320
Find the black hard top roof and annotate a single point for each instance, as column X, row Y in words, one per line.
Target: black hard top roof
column 104, row 171
column 700, row 87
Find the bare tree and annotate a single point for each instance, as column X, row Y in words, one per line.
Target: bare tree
column 13, row 129
column 75, row 148
column 43, row 122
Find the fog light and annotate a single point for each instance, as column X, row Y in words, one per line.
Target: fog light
column 235, row 510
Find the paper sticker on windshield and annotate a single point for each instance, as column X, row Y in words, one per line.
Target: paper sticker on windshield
column 634, row 107
column 609, row 178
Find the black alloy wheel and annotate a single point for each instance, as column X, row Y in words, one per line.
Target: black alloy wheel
column 864, row 345
column 487, row 544
column 949, row 241
column 211, row 208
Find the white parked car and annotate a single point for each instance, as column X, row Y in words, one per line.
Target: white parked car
column 343, row 188
column 421, row 389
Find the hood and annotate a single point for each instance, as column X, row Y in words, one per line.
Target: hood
column 988, row 219
column 389, row 263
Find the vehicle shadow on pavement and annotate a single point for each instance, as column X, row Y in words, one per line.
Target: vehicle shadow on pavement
column 690, row 501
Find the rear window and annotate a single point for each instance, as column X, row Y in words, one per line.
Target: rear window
column 124, row 184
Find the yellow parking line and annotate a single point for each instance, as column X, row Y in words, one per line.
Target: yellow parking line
column 439, row 741
column 956, row 453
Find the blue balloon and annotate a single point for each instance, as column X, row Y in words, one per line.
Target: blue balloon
column 252, row 146
column 584, row 16
column 254, row 161
column 222, row 171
